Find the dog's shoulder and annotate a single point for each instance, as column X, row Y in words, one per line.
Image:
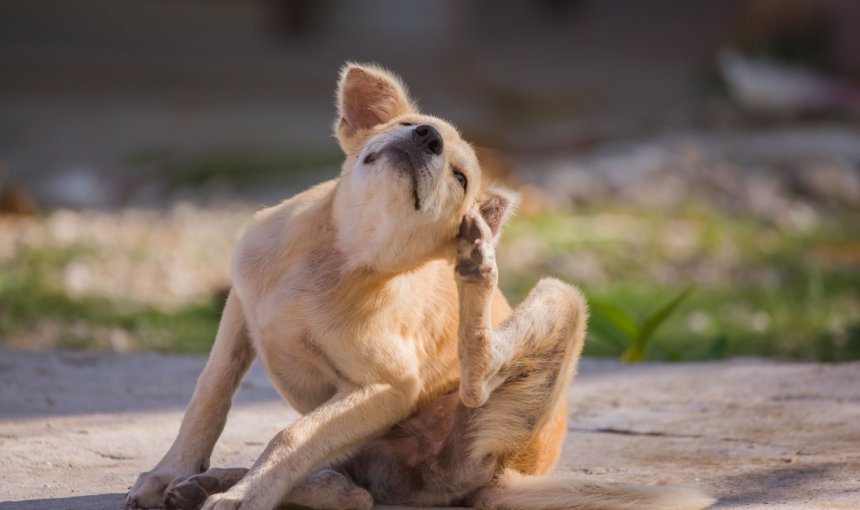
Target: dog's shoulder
column 283, row 233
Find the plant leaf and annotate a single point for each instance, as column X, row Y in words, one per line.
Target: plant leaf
column 618, row 317
column 603, row 330
column 650, row 325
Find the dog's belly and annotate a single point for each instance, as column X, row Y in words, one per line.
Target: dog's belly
column 424, row 460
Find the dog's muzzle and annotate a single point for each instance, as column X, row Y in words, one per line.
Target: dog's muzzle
column 422, row 144
column 410, row 154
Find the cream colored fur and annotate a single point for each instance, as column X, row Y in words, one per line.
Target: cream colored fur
column 365, row 298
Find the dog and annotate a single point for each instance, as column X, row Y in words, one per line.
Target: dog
column 372, row 303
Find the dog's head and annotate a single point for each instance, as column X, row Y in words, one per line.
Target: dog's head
column 408, row 178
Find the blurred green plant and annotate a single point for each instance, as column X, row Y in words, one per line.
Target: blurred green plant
column 31, row 299
column 610, row 323
column 761, row 289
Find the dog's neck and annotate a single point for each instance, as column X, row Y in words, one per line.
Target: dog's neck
column 375, row 242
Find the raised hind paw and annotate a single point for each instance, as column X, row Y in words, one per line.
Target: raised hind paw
column 476, row 253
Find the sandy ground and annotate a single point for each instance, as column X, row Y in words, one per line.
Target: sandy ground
column 76, row 428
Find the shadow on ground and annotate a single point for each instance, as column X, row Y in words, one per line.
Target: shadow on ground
column 63, row 383
column 91, row 502
column 67, row 383
column 778, row 484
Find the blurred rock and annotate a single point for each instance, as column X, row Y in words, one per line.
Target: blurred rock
column 783, row 176
column 79, row 186
column 835, row 181
column 777, row 88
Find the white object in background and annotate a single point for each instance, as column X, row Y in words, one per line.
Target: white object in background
column 770, row 86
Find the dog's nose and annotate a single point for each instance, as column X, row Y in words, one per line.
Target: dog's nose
column 428, row 138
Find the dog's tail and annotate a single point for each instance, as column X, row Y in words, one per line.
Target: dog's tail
column 515, row 491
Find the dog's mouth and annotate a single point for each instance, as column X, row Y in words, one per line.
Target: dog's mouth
column 410, row 164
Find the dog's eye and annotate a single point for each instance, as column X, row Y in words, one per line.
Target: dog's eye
column 370, row 158
column 461, row 178
column 407, row 124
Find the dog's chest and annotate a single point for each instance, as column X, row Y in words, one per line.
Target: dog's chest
column 317, row 332
column 311, row 348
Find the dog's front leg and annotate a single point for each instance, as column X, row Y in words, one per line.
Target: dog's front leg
column 349, row 419
column 206, row 415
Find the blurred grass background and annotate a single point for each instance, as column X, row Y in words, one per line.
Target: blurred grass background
column 709, row 146
column 782, row 294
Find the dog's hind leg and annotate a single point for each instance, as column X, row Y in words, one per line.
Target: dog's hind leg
column 323, row 489
column 446, row 452
column 519, row 372
column 521, row 389
column 517, row 376
column 191, row 493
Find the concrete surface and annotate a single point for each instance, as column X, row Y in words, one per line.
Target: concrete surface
column 76, row 428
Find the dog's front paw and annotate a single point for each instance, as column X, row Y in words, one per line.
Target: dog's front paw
column 476, row 255
column 148, row 491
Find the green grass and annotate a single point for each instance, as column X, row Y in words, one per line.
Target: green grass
column 610, row 323
column 759, row 290
column 30, row 296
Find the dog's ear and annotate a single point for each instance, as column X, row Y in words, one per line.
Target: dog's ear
column 496, row 206
column 367, row 96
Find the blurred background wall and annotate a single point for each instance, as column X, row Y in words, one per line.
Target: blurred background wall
column 100, row 90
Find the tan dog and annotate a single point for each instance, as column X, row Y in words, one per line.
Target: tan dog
column 369, row 300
